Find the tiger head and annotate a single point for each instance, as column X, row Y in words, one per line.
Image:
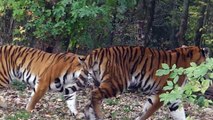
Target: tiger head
column 90, row 71
column 195, row 54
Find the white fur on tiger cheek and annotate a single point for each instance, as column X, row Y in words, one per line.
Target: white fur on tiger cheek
column 77, row 73
column 95, row 67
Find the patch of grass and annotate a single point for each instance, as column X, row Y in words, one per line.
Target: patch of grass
column 112, row 101
column 18, row 85
column 127, row 109
column 19, row 115
column 125, row 118
column 113, row 114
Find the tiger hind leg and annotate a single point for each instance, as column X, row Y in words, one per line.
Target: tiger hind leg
column 39, row 91
column 152, row 104
column 93, row 110
column 177, row 110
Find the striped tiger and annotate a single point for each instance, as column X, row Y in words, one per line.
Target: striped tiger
column 117, row 69
column 40, row 70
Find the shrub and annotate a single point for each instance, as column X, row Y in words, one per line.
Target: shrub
column 199, row 78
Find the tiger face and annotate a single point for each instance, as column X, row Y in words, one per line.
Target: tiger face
column 90, row 72
column 195, row 54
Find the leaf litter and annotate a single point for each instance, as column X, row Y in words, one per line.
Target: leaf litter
column 53, row 107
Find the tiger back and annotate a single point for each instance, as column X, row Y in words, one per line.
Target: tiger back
column 42, row 71
column 114, row 70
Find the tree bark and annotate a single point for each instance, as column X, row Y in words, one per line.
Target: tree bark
column 112, row 33
column 149, row 21
column 183, row 25
column 172, row 37
column 6, row 24
column 200, row 22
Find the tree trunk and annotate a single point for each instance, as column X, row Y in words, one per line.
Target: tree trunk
column 112, row 33
column 149, row 21
column 172, row 37
column 183, row 25
column 199, row 30
column 6, row 24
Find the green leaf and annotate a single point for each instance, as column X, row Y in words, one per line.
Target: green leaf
column 165, row 66
column 170, row 83
column 193, row 64
column 173, row 75
column 191, row 99
column 168, row 88
column 176, row 79
column 210, row 75
column 173, row 67
column 162, row 72
column 205, row 85
column 180, row 71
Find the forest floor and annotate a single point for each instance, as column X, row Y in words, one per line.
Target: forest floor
column 52, row 107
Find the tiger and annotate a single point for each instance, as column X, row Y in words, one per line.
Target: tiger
column 40, row 70
column 118, row 69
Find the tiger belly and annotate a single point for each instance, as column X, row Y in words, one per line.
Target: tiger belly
column 24, row 76
column 146, row 85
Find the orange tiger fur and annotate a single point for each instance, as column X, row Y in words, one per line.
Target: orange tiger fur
column 116, row 69
column 40, row 70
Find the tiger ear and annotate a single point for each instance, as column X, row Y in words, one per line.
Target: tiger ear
column 206, row 52
column 81, row 59
column 184, row 46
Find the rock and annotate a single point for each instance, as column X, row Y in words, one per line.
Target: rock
column 80, row 116
column 3, row 102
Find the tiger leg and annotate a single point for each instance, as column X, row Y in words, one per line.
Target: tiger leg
column 39, row 91
column 152, row 104
column 177, row 110
column 93, row 110
column 70, row 98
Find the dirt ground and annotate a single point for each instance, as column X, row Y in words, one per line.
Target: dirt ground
column 52, row 107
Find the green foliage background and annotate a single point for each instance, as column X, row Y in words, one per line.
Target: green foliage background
column 88, row 24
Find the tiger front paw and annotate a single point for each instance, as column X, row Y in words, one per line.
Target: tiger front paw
column 73, row 113
column 29, row 109
column 90, row 113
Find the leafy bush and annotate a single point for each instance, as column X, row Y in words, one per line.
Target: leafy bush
column 199, row 78
column 127, row 109
column 73, row 23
